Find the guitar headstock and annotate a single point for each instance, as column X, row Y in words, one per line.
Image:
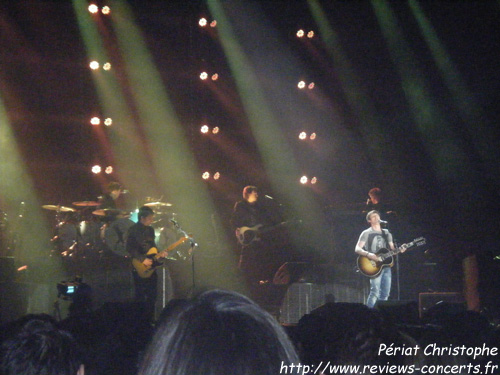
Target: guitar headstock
column 419, row 241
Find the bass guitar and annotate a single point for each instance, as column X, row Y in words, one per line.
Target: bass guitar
column 247, row 235
column 372, row 268
column 153, row 254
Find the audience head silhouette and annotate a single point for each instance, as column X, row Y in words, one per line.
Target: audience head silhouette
column 40, row 348
column 219, row 332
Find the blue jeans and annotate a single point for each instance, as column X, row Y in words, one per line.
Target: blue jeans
column 380, row 287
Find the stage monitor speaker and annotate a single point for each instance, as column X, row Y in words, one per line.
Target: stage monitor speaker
column 428, row 301
column 399, row 312
column 302, row 298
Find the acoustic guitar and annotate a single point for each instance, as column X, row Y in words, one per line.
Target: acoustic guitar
column 372, row 268
column 153, row 254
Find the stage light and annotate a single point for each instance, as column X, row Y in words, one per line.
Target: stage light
column 106, row 10
column 216, row 175
column 202, row 22
column 203, row 76
column 109, row 169
column 94, row 65
column 314, row 180
column 310, row 86
column 303, row 135
column 95, row 121
column 96, row 169
column 215, row 77
column 303, row 180
column 205, row 175
column 107, row 66
column 313, row 136
column 300, row 33
column 204, row 129
column 301, row 85
column 213, row 23
column 215, row 130
column 93, row 8
column 108, row 121
column 310, row 34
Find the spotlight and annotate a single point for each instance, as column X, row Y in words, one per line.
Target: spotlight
column 109, row 169
column 96, row 169
column 106, row 10
column 215, row 130
column 300, row 33
column 314, row 180
column 303, row 180
column 203, row 76
column 94, row 65
column 205, row 175
column 108, row 121
column 202, row 22
column 93, row 8
column 310, row 86
column 313, row 136
column 301, row 85
column 204, row 129
column 213, row 23
column 95, row 121
column 303, row 135
column 216, row 175
column 310, row 34
column 107, row 66
column 215, row 77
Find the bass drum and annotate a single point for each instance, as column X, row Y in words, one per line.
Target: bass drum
column 115, row 236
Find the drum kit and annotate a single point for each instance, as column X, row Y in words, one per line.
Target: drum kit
column 88, row 231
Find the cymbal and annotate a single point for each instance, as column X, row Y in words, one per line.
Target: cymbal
column 58, row 208
column 109, row 212
column 86, row 203
column 161, row 204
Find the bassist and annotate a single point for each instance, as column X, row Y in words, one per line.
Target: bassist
column 370, row 242
column 260, row 258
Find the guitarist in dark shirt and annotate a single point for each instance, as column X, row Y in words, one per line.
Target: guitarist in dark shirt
column 140, row 239
column 262, row 255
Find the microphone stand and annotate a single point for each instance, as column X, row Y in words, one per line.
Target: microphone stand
column 193, row 244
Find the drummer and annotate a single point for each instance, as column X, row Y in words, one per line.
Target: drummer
column 108, row 200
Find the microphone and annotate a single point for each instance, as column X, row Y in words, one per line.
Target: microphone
column 268, row 197
column 173, row 221
column 368, row 201
column 383, row 222
column 125, row 191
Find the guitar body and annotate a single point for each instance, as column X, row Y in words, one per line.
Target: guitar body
column 246, row 235
column 153, row 254
column 372, row 268
column 145, row 271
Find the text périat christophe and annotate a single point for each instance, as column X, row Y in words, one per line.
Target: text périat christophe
column 436, row 350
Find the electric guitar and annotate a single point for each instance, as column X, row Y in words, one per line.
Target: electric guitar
column 153, row 254
column 247, row 235
column 372, row 268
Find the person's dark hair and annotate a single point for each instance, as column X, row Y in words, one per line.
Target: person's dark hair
column 42, row 349
column 112, row 186
column 144, row 211
column 370, row 214
column 247, row 190
column 376, row 192
column 219, row 332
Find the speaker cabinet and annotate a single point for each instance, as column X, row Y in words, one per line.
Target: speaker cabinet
column 426, row 301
